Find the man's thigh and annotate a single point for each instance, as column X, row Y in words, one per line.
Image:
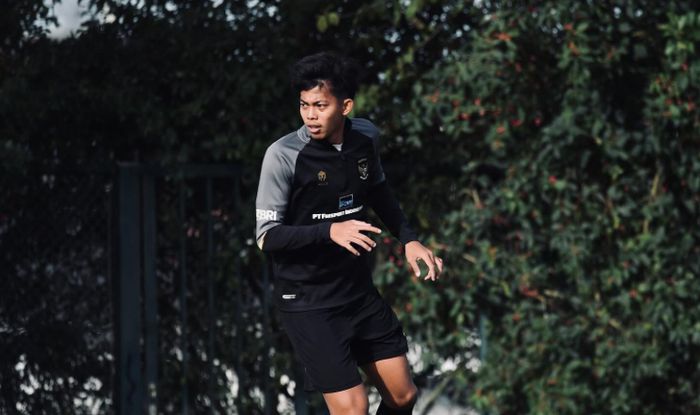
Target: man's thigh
column 321, row 341
column 378, row 334
column 352, row 401
column 392, row 378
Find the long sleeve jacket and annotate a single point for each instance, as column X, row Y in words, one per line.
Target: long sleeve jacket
column 306, row 185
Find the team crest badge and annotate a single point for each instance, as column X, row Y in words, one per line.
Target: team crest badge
column 363, row 168
column 322, row 177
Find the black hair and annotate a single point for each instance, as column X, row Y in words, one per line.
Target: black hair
column 340, row 72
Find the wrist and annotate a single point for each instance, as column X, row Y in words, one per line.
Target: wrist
column 326, row 231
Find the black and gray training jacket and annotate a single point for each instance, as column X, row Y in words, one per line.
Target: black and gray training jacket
column 305, row 186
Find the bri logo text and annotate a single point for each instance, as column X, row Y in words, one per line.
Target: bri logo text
column 262, row 214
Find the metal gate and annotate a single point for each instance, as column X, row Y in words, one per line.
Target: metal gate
column 183, row 259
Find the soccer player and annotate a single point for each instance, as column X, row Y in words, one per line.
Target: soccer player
column 316, row 185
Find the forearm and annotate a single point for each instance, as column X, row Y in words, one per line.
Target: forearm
column 289, row 237
column 387, row 208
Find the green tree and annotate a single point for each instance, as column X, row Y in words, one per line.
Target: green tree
column 572, row 210
column 159, row 82
column 546, row 149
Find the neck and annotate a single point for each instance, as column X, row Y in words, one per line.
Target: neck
column 336, row 140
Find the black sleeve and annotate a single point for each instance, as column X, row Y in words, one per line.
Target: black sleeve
column 286, row 237
column 274, row 188
column 387, row 208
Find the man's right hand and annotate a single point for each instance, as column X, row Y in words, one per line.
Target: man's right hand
column 350, row 232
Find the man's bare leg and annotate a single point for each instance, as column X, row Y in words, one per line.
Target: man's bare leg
column 392, row 377
column 351, row 401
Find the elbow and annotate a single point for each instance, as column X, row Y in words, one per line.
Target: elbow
column 265, row 245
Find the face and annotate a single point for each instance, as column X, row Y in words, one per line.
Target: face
column 323, row 113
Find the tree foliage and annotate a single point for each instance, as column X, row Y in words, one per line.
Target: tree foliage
column 547, row 149
column 572, row 220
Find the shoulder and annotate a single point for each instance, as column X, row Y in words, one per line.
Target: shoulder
column 365, row 127
column 283, row 153
column 286, row 147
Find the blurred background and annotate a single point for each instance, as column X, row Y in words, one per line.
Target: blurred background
column 547, row 150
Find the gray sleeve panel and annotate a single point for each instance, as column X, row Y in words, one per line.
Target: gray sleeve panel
column 276, row 178
column 366, row 127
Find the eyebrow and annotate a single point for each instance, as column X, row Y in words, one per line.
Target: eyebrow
column 320, row 102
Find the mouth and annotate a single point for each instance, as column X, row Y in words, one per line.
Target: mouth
column 314, row 129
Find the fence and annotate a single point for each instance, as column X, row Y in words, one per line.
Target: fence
column 206, row 365
column 55, row 312
column 138, row 290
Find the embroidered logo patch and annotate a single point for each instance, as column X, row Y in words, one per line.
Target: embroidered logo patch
column 322, row 177
column 345, row 202
column 363, row 168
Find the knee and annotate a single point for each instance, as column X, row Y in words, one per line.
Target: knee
column 405, row 399
column 350, row 404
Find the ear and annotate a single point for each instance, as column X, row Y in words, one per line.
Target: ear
column 347, row 106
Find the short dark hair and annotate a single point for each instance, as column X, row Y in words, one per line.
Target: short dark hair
column 326, row 67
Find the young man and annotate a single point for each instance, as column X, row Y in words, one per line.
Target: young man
column 316, row 185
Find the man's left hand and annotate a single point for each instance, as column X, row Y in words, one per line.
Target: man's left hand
column 416, row 251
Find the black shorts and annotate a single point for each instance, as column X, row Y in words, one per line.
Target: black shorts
column 331, row 343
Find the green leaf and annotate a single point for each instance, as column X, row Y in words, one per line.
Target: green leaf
column 333, row 18
column 322, row 23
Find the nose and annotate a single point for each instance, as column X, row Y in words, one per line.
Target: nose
column 311, row 113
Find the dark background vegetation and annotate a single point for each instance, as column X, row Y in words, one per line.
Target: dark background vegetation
column 548, row 150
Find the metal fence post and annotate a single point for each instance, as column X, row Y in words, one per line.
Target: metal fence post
column 211, row 311
column 483, row 337
column 183, row 294
column 483, row 349
column 150, row 294
column 129, row 390
column 301, row 407
column 267, row 408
